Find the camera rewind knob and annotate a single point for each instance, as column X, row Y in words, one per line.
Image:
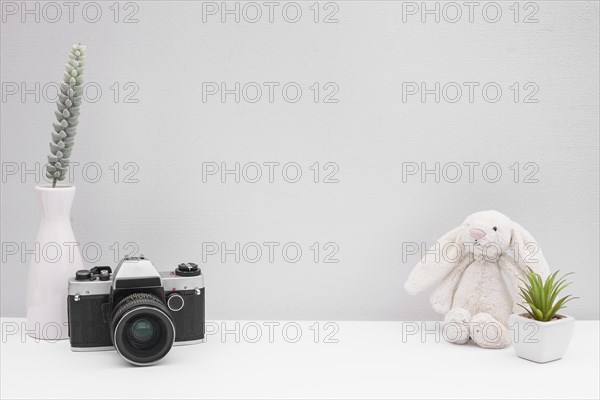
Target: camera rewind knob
column 188, row 269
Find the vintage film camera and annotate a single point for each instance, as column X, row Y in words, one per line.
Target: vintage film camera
column 136, row 309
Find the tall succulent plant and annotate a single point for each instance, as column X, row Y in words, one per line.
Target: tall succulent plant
column 69, row 101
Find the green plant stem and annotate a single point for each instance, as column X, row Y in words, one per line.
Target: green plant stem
column 54, row 183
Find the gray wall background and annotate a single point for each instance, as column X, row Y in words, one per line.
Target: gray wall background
column 168, row 54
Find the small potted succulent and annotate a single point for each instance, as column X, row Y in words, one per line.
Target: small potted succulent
column 541, row 334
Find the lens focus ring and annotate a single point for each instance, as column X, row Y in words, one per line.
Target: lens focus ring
column 133, row 300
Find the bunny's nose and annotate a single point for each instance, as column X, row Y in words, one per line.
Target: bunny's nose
column 476, row 233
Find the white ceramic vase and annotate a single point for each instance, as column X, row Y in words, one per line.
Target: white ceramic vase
column 541, row 342
column 56, row 259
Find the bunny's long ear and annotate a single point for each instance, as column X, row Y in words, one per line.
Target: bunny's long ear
column 524, row 252
column 439, row 261
column 512, row 277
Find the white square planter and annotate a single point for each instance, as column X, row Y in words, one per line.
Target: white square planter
column 541, row 341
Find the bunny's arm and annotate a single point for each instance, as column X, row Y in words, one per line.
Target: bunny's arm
column 442, row 296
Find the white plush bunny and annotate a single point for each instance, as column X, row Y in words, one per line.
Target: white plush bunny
column 476, row 268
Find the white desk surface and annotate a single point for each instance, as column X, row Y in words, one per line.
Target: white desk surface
column 371, row 360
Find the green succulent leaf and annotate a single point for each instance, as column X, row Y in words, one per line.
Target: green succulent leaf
column 540, row 296
column 527, row 309
column 67, row 116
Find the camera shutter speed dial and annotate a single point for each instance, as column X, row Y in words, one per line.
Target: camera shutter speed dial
column 188, row 269
column 175, row 302
column 83, row 275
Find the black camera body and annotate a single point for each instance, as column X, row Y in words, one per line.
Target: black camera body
column 136, row 310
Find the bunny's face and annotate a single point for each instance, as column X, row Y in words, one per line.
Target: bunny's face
column 486, row 233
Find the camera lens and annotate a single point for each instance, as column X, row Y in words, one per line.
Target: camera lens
column 142, row 329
